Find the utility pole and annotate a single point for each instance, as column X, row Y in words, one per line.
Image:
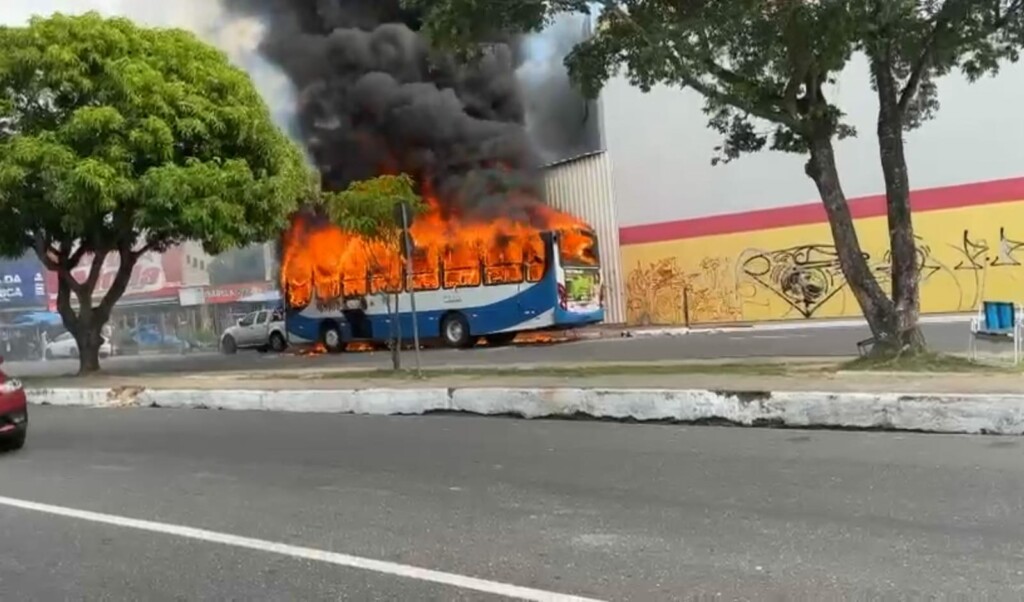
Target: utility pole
column 406, row 247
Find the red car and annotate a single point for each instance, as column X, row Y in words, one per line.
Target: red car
column 13, row 413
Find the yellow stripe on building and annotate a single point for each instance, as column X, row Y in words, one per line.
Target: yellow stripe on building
column 966, row 255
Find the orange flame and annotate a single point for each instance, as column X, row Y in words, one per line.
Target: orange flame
column 317, row 349
column 328, row 262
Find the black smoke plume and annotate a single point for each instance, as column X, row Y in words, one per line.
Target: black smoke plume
column 374, row 98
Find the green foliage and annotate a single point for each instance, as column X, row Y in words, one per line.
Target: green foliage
column 117, row 138
column 756, row 61
column 367, row 207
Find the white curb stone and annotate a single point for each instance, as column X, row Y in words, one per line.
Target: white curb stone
column 995, row 414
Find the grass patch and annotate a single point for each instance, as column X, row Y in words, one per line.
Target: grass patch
column 596, row 370
column 922, row 362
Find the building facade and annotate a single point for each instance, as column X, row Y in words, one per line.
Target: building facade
column 22, row 286
column 749, row 242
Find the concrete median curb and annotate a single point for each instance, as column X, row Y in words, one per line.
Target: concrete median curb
column 991, row 414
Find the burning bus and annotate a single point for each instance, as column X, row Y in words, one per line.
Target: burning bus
column 471, row 279
column 372, row 96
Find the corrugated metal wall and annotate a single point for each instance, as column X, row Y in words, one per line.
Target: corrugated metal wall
column 583, row 187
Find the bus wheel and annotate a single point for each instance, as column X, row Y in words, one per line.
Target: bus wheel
column 455, row 331
column 500, row 339
column 331, row 337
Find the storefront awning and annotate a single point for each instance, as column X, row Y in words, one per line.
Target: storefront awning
column 262, row 297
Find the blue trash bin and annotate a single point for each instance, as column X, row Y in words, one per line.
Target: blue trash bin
column 1005, row 316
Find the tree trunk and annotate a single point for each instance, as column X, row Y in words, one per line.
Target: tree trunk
column 87, row 325
column 89, row 338
column 903, row 249
column 878, row 310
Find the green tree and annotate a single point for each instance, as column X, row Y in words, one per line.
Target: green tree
column 765, row 69
column 119, row 140
column 368, row 208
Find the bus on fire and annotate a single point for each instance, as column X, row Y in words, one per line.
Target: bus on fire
column 556, row 289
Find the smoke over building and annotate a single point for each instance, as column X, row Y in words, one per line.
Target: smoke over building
column 373, row 98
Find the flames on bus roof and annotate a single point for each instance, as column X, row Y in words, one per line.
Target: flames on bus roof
column 321, row 260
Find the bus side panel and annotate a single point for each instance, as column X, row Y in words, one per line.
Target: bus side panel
column 572, row 318
column 304, row 326
column 301, row 329
column 488, row 309
column 526, row 306
column 427, row 322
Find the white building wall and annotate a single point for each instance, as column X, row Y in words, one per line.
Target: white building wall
column 583, row 187
column 661, row 148
column 196, row 269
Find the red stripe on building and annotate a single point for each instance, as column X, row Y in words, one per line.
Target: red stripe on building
column 930, row 199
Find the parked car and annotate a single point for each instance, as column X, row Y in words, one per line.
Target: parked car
column 148, row 337
column 13, row 412
column 65, row 346
column 263, row 330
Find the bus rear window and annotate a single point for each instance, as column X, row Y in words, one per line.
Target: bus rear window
column 578, row 248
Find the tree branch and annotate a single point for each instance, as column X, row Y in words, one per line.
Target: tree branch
column 76, row 257
column 727, row 76
column 99, row 256
column 64, row 267
column 43, row 249
column 719, row 95
column 942, row 22
column 146, row 248
column 920, row 67
column 1002, row 21
column 119, row 284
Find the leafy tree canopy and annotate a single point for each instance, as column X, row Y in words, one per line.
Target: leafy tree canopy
column 367, row 207
column 120, row 139
column 115, row 136
column 757, row 59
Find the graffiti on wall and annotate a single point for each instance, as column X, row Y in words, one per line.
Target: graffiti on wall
column 959, row 268
column 804, row 277
column 663, row 292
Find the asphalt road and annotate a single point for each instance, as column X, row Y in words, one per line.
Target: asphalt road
column 795, row 342
column 603, row 510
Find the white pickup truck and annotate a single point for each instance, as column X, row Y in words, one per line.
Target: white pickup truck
column 263, row 330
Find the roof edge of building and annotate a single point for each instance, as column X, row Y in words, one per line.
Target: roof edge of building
column 574, row 158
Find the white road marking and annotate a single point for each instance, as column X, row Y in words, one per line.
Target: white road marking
column 262, row 545
column 110, row 467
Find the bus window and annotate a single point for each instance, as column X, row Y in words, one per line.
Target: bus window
column 535, row 268
column 578, row 248
column 426, row 281
column 455, row 277
column 461, row 267
column 535, row 256
column 388, row 279
column 426, row 272
column 354, row 286
column 503, row 273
